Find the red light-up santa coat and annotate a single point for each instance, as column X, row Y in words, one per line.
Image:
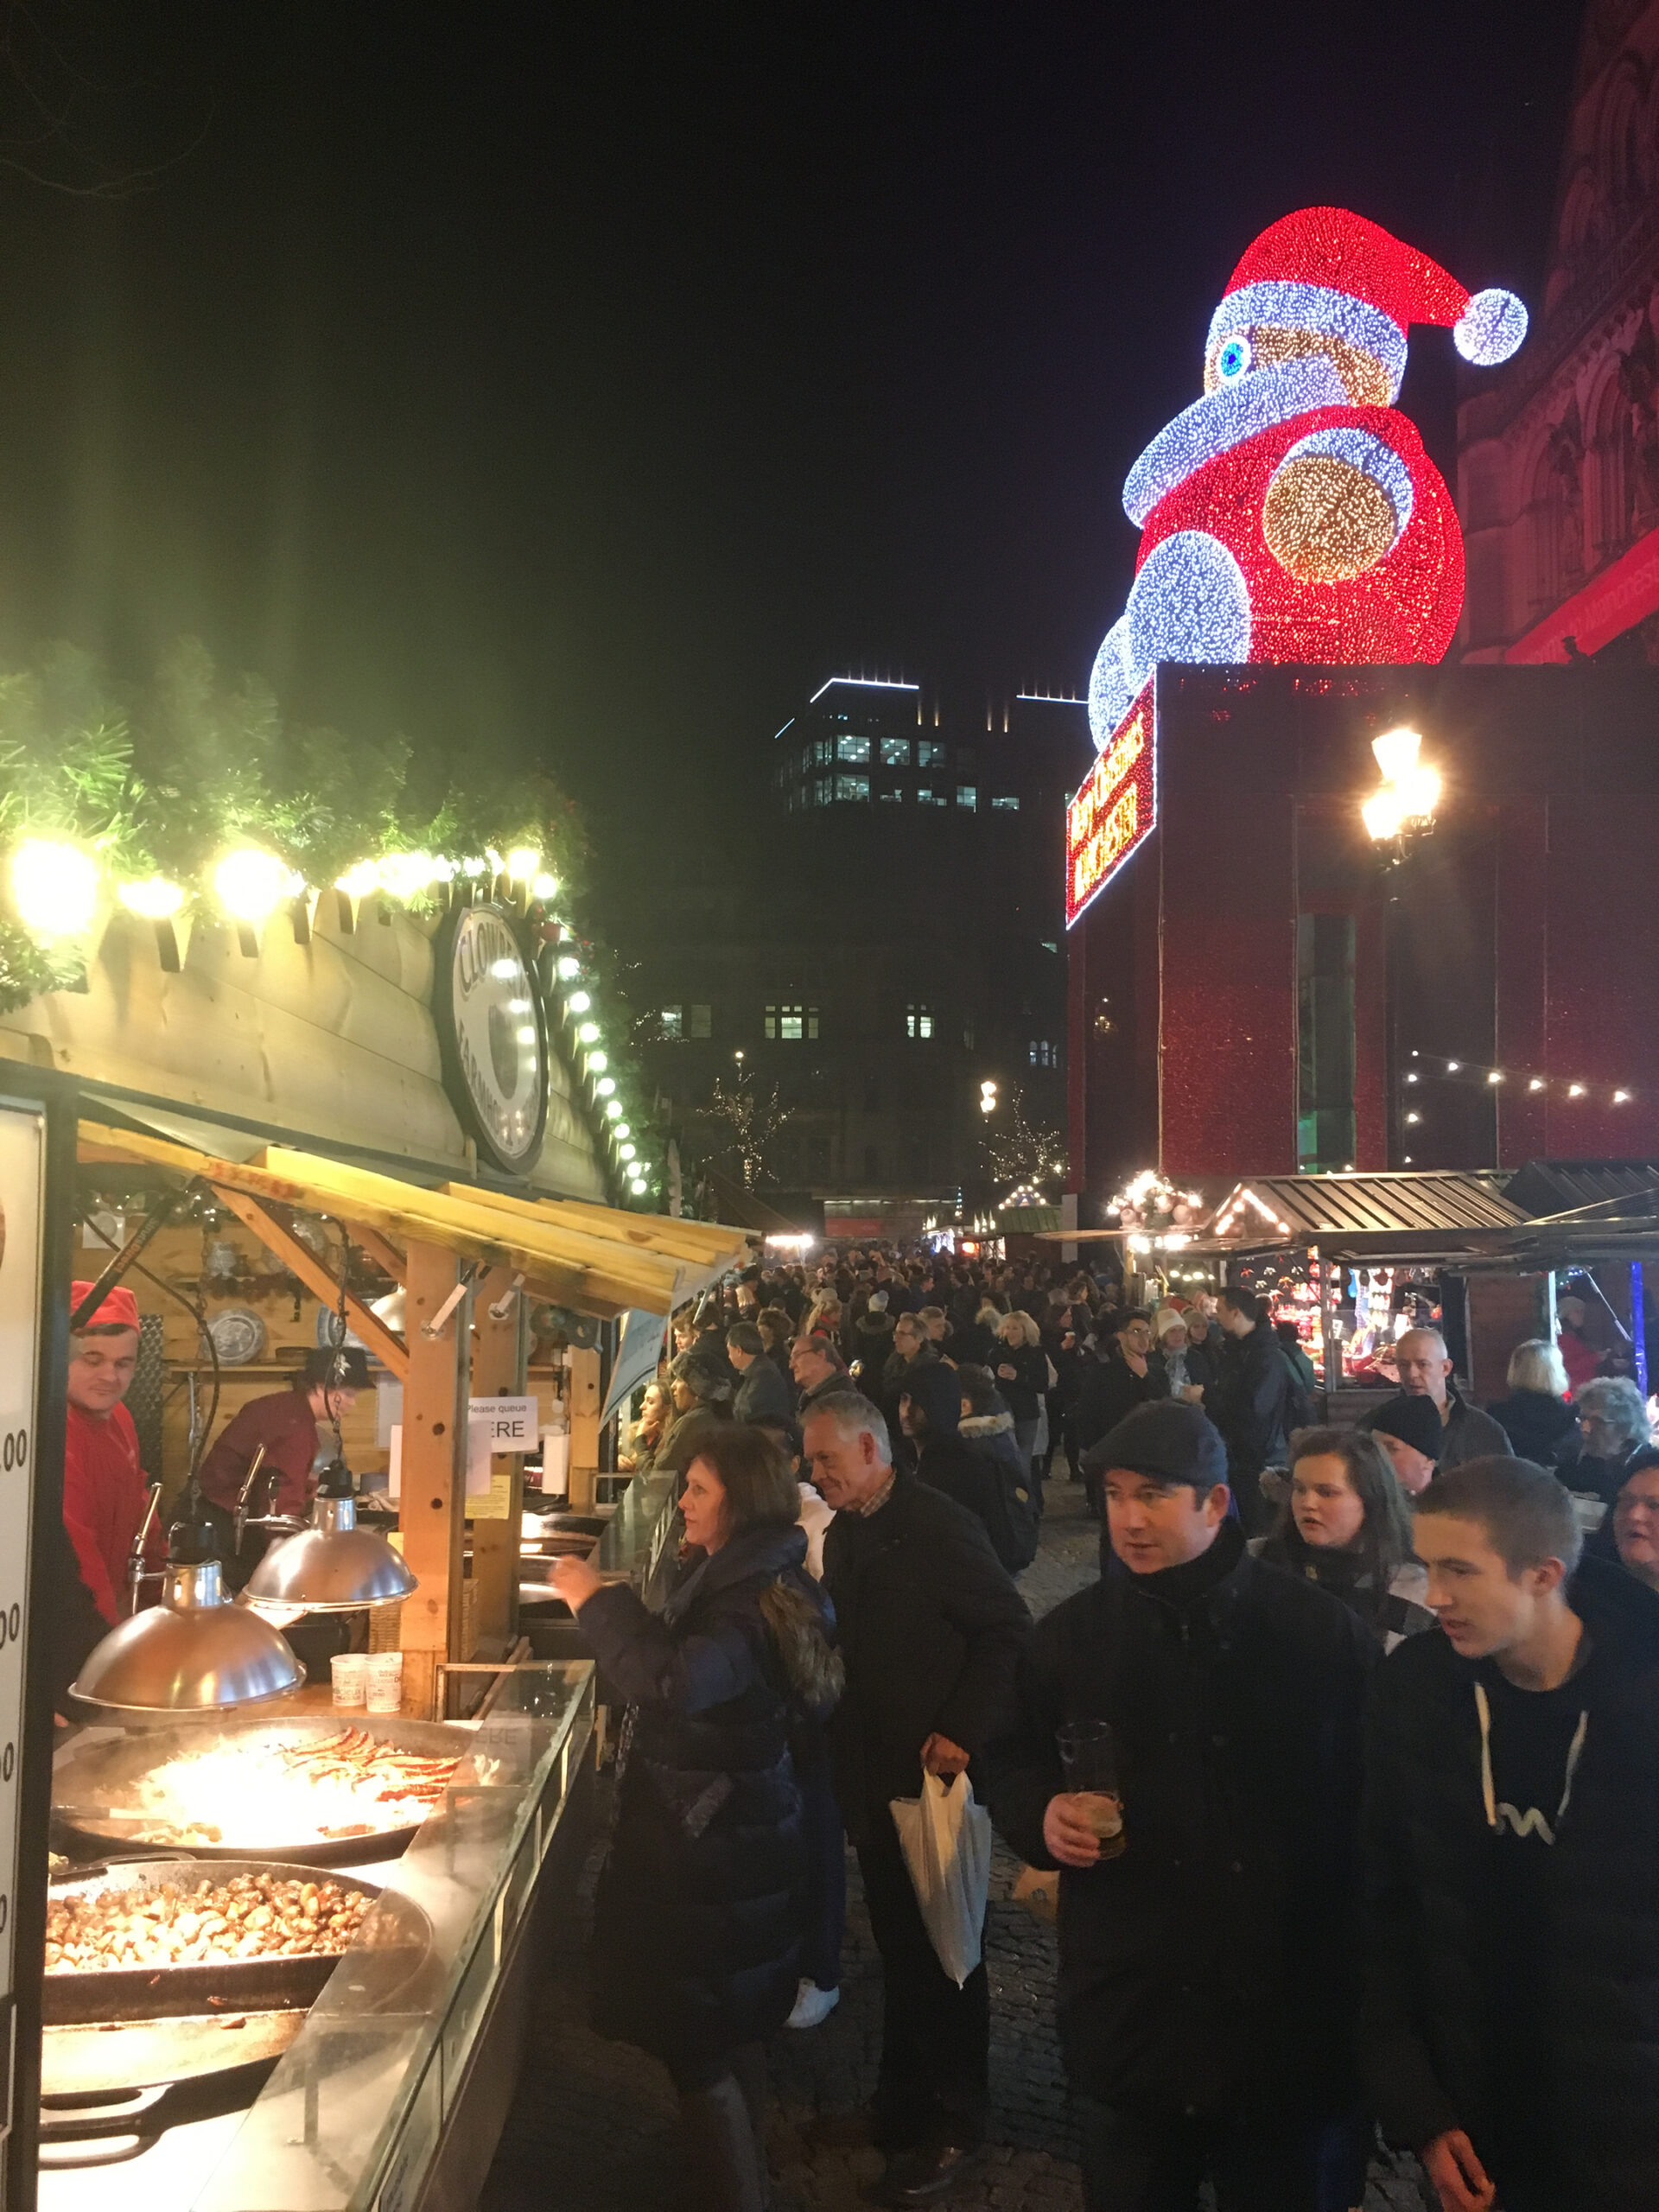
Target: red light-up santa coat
column 1291, row 514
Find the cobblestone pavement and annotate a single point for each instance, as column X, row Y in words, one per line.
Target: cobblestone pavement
column 594, row 2124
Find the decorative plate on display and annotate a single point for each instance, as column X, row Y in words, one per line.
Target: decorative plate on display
column 238, row 1336
column 328, row 1332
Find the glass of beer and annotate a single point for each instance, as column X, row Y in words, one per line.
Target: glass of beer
column 1089, row 1762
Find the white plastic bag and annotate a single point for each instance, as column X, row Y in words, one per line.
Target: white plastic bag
column 946, row 1841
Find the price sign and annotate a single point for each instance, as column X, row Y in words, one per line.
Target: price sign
column 23, row 1163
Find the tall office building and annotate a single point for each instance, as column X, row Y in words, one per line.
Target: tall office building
column 897, row 945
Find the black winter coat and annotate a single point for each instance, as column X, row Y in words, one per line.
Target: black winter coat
column 698, row 1916
column 979, row 1466
column 1427, row 1851
column 1214, row 1962
column 1111, row 1390
column 1537, row 1425
column 1028, row 1385
column 930, row 1629
column 763, row 1394
column 1249, row 1401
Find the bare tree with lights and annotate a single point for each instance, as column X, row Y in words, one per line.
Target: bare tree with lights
column 1020, row 1152
column 752, row 1120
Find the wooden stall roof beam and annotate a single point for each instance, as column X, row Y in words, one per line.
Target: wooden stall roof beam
column 389, row 1261
column 407, row 1214
column 703, row 1244
column 389, row 1349
column 586, row 1272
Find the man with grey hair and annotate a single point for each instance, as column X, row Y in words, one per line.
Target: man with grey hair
column 1425, row 1370
column 931, row 1629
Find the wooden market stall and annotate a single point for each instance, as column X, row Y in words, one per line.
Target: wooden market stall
column 280, row 1129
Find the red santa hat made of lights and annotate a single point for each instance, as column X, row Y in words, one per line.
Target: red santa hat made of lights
column 1291, row 514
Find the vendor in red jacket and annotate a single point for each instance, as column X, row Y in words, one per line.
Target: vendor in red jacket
column 105, row 1493
column 287, row 1424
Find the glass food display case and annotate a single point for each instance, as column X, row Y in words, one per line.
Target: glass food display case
column 392, row 2087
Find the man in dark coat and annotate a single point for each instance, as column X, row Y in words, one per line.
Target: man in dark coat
column 911, row 1349
column 1249, row 1400
column 991, row 1485
column 1425, row 1370
column 1510, row 2028
column 1207, row 1974
column 1125, row 1378
column 931, row 1629
column 762, row 1393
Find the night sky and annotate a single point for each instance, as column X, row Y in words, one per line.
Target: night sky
column 582, row 382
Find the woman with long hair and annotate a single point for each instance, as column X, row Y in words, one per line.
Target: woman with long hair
column 699, row 1916
column 1347, row 1527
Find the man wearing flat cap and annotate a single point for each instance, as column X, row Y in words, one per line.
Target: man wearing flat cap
column 105, row 1492
column 1208, row 1971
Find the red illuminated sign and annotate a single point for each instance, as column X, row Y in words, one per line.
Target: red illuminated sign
column 1115, row 807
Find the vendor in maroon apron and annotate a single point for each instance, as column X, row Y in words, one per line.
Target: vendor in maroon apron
column 285, row 1432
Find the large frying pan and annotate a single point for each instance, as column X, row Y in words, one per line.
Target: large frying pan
column 126, row 2050
column 390, row 1949
column 95, row 1778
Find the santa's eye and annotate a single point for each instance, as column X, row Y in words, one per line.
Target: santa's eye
column 1233, row 359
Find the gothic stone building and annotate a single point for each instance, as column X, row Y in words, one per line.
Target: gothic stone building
column 1559, row 454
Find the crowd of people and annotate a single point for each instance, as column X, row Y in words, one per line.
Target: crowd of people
column 1367, row 1837
column 1374, row 1846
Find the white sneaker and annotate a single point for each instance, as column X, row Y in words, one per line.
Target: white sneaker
column 813, row 2005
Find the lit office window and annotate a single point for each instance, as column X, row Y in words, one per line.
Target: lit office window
column 823, row 751
column 967, row 795
column 853, row 787
column 672, row 1019
column 896, row 753
column 855, row 749
column 788, row 1025
column 893, row 795
column 930, row 753
column 930, row 798
column 1005, row 802
column 918, row 1022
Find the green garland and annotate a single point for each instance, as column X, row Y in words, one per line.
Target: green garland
column 163, row 779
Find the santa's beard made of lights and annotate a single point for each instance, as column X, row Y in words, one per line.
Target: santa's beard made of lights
column 1291, row 514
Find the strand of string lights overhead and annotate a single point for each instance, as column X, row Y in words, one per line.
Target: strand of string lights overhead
column 1435, row 1067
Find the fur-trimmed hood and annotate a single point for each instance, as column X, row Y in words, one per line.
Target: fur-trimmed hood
column 986, row 1425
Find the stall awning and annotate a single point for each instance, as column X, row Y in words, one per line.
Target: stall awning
column 607, row 1263
column 1431, row 1215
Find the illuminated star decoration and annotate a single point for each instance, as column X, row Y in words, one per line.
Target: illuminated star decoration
column 1292, row 514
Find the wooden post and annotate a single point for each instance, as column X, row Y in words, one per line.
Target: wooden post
column 500, row 1350
column 432, row 1506
column 584, row 1429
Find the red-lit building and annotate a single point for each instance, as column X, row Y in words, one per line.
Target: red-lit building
column 1255, row 990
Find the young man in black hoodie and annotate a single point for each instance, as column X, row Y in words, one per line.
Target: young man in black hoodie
column 1510, row 2028
column 1208, row 1974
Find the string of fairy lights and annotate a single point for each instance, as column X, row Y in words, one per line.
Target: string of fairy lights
column 1437, row 1067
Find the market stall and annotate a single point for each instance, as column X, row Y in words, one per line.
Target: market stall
column 289, row 1946
column 1352, row 1261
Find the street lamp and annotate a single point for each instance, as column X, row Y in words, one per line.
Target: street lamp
column 987, row 1097
column 1409, row 793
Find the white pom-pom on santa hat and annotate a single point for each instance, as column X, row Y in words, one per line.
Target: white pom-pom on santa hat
column 1491, row 329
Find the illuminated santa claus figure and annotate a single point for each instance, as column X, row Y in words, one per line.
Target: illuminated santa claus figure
column 1291, row 514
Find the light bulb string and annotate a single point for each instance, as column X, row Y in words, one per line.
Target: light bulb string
column 1440, row 1067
